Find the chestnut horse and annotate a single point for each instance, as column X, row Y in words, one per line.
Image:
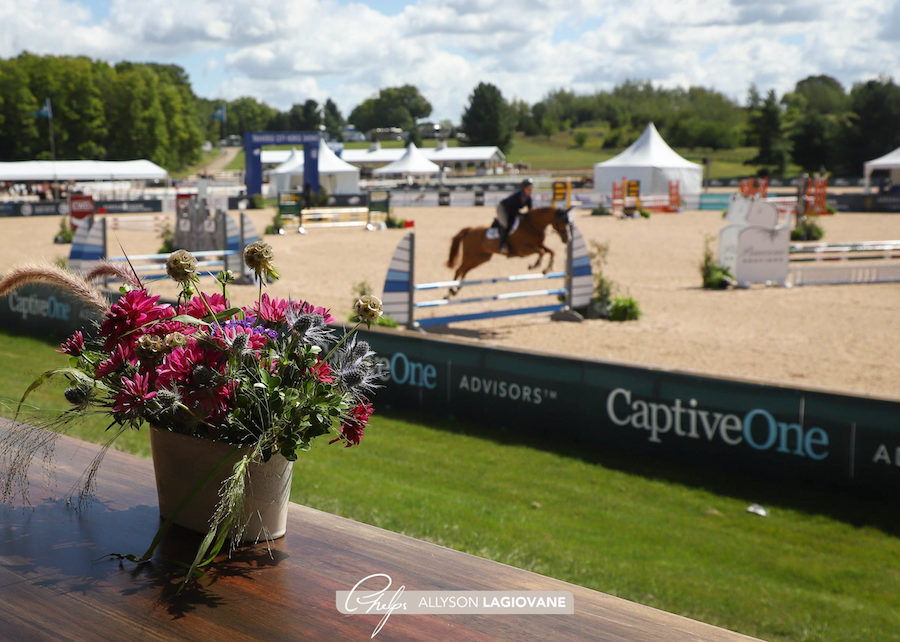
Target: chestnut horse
column 527, row 239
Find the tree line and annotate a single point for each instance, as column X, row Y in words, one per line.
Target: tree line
column 147, row 110
column 818, row 126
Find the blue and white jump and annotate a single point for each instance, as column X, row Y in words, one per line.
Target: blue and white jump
column 400, row 288
column 90, row 246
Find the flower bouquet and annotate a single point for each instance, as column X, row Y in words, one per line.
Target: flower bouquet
column 262, row 380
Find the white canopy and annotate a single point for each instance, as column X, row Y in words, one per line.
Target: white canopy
column 652, row 162
column 890, row 162
column 413, row 161
column 335, row 175
column 81, row 170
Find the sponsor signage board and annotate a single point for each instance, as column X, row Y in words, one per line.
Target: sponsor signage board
column 817, row 436
column 814, row 435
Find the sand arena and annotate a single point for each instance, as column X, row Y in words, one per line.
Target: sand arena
column 844, row 338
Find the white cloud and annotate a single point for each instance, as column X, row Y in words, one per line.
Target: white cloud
column 285, row 51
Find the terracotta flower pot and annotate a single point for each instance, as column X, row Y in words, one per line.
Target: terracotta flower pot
column 179, row 461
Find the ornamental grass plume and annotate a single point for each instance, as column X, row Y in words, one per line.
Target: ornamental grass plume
column 108, row 269
column 52, row 275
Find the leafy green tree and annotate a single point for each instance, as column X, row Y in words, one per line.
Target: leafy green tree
column 20, row 138
column 765, row 133
column 873, row 127
column 333, row 120
column 393, row 107
column 488, row 119
column 246, row 114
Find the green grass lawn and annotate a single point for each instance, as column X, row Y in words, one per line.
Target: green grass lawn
column 822, row 566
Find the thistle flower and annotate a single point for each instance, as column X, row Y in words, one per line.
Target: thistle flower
column 181, row 266
column 354, row 367
column 310, row 328
column 258, row 256
column 368, row 308
column 78, row 395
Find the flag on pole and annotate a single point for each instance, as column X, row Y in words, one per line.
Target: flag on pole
column 219, row 113
column 45, row 111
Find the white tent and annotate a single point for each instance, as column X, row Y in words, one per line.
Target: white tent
column 335, row 175
column 652, row 162
column 81, row 170
column 890, row 162
column 413, row 161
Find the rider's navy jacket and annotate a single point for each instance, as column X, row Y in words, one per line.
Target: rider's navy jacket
column 514, row 202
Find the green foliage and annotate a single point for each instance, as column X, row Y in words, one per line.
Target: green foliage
column 601, row 302
column 807, row 229
column 764, row 131
column 714, row 276
column 258, row 201
column 488, row 119
column 66, row 232
column 392, row 107
column 99, row 112
column 580, row 138
column 624, row 309
column 167, row 238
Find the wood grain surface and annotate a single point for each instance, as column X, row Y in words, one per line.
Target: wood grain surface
column 56, row 582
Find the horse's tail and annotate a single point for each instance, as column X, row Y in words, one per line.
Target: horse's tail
column 454, row 246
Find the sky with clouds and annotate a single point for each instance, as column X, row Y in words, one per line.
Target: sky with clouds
column 283, row 52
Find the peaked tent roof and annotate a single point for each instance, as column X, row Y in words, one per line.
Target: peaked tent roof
column 293, row 164
column 650, row 150
column 652, row 162
column 413, row 161
column 891, row 161
column 81, row 170
column 329, row 162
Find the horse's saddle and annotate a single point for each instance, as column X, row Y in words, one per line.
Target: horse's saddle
column 493, row 232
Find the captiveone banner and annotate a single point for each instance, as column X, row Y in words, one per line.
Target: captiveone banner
column 816, row 435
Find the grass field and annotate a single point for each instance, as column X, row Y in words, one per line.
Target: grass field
column 821, row 566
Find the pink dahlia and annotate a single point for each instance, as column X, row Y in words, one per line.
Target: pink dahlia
column 322, row 372
column 137, row 308
column 196, row 308
column 134, row 394
column 116, row 360
column 74, row 345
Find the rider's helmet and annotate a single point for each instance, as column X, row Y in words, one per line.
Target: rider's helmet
column 527, row 183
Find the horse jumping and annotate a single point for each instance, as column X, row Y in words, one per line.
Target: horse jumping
column 526, row 239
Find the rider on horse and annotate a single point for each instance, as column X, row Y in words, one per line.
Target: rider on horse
column 510, row 208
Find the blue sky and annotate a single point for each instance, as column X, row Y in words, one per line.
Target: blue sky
column 283, row 52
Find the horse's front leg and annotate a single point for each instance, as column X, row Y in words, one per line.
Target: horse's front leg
column 540, row 253
column 550, row 262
